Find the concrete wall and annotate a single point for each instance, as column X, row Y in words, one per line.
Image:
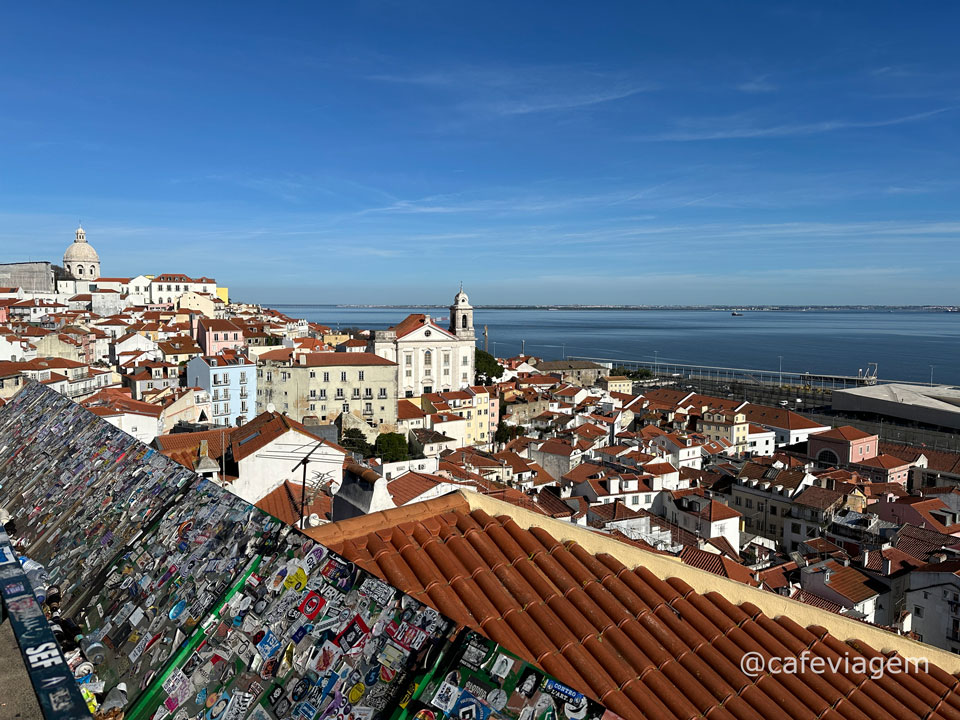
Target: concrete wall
column 31, row 276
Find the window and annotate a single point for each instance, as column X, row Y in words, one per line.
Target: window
column 736, row 500
column 339, row 393
column 382, row 395
column 749, row 504
column 313, row 374
column 346, row 407
column 323, row 394
column 408, row 360
column 356, row 393
column 408, row 373
column 313, row 394
column 216, row 336
column 795, row 528
column 368, row 407
column 361, row 376
column 464, row 361
column 446, row 359
column 773, row 509
column 343, row 376
column 918, row 611
column 326, row 377
column 427, row 357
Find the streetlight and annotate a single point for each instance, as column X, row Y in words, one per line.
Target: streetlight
column 656, row 363
column 931, row 374
column 781, row 369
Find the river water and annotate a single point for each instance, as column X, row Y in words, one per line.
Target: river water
column 904, row 344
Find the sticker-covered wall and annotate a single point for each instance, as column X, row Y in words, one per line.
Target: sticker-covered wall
column 173, row 598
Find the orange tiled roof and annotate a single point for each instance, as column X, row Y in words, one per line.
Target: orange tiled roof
column 284, row 503
column 847, row 433
column 645, row 646
column 718, row 565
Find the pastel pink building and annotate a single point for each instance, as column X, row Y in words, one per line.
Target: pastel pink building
column 214, row 336
column 844, row 445
column 847, row 446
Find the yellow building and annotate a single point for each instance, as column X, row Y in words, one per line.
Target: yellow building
column 224, row 294
column 616, row 384
column 334, row 339
column 474, row 405
column 728, row 425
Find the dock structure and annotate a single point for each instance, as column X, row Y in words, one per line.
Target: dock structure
column 754, row 376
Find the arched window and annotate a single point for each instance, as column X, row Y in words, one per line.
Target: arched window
column 92, row 271
column 80, row 270
column 463, row 322
column 828, row 457
column 427, row 357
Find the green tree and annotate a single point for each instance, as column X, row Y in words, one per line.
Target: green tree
column 502, row 435
column 354, row 441
column 487, row 367
column 638, row 374
column 392, row 447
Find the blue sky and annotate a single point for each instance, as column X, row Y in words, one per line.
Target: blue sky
column 540, row 151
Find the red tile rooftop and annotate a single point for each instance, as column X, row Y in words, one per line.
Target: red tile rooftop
column 646, row 635
column 847, row 433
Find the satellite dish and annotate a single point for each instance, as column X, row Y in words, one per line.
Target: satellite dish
column 271, row 407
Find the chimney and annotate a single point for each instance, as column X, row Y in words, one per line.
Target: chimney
column 302, row 358
column 866, row 558
column 886, row 566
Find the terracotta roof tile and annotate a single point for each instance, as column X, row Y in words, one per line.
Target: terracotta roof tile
column 646, row 646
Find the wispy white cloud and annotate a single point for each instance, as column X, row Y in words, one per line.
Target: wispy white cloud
column 744, row 128
column 523, row 90
column 535, row 104
column 758, row 85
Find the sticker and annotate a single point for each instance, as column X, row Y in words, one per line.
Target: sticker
column 269, row 645
column 312, row 605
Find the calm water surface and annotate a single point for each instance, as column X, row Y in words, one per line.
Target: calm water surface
column 904, row 344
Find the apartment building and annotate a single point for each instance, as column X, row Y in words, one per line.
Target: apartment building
column 325, row 384
column 231, row 380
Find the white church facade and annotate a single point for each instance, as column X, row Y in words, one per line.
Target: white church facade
column 431, row 358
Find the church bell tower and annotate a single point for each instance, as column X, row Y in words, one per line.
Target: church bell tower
column 461, row 317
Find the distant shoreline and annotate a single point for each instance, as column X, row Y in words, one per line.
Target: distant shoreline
column 692, row 308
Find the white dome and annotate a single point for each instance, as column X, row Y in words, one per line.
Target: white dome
column 461, row 298
column 80, row 251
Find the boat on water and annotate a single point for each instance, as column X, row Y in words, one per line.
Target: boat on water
column 736, row 314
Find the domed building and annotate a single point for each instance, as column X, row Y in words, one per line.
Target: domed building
column 80, row 260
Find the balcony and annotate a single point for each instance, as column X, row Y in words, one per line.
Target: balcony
column 244, row 394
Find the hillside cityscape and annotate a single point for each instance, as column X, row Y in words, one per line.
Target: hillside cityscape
column 462, row 362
